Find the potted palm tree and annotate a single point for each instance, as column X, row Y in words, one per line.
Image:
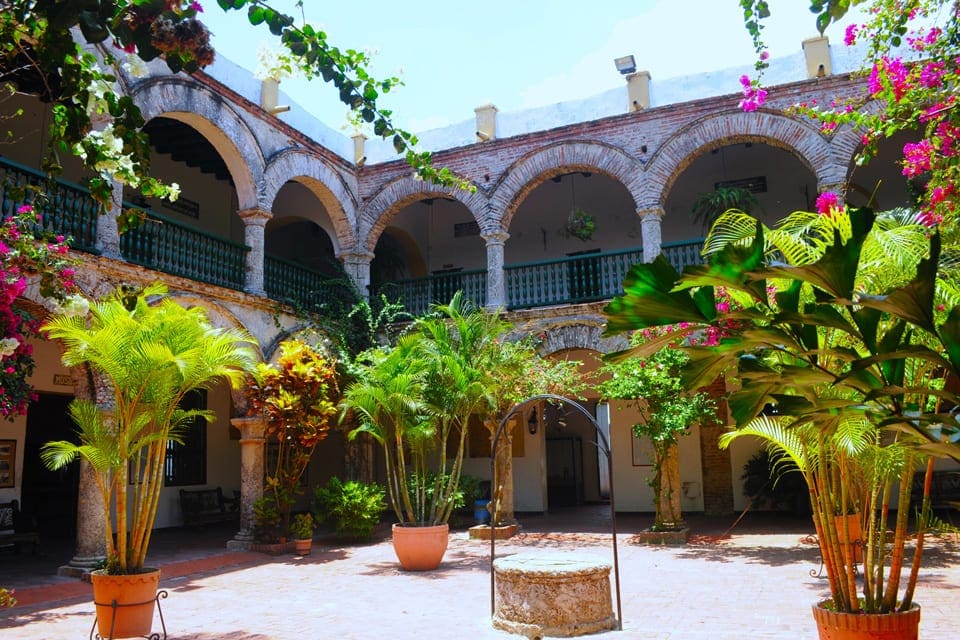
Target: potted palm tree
column 850, row 340
column 415, row 399
column 150, row 352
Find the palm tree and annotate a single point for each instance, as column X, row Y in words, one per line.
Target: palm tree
column 151, row 355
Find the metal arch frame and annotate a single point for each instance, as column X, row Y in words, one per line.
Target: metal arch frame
column 604, row 446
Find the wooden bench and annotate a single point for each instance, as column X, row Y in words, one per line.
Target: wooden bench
column 15, row 528
column 944, row 490
column 208, row 506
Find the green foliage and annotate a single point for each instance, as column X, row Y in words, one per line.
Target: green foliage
column 654, row 386
column 856, row 375
column 772, row 482
column 580, row 225
column 707, row 207
column 355, row 507
column 149, row 352
column 266, row 520
column 301, row 527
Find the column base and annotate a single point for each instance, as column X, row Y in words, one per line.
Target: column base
column 80, row 565
column 240, row 542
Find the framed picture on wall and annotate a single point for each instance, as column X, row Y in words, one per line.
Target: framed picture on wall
column 8, row 463
column 642, row 451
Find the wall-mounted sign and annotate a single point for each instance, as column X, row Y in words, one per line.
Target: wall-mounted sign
column 62, row 380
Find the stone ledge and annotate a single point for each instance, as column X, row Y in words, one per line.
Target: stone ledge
column 502, row 532
column 647, row 536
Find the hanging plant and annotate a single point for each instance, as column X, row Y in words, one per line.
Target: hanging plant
column 580, row 224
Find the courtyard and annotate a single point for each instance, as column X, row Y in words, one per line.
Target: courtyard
column 753, row 582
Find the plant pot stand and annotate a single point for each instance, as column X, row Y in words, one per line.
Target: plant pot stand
column 114, row 606
column 500, row 532
column 674, row 538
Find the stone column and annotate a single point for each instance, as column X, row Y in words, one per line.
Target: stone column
column 357, row 266
column 91, row 544
column 108, row 238
column 252, row 439
column 650, row 228
column 254, row 221
column 496, row 285
column 838, row 188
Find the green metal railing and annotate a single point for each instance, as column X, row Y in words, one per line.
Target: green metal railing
column 287, row 281
column 683, row 254
column 418, row 294
column 569, row 280
column 166, row 245
column 70, row 210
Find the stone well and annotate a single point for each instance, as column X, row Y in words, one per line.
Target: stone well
column 558, row 595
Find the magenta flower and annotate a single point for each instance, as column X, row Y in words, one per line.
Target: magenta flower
column 850, row 35
column 827, row 202
column 917, row 158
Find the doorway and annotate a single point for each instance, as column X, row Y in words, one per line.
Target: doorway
column 50, row 496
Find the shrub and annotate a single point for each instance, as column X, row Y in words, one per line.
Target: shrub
column 301, row 527
column 354, row 507
column 266, row 520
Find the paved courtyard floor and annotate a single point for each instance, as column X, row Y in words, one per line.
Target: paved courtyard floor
column 753, row 583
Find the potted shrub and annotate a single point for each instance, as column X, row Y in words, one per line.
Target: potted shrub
column 355, row 507
column 851, row 341
column 297, row 397
column 580, row 224
column 149, row 352
column 301, row 530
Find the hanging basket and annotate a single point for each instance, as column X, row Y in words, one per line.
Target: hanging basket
column 580, row 224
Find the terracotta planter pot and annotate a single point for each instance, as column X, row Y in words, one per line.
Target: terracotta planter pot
column 303, row 547
column 135, row 596
column 420, row 548
column 866, row 626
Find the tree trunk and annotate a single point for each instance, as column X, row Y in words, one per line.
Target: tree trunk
column 502, row 485
column 669, row 514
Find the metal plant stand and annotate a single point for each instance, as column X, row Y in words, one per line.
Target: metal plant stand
column 114, row 605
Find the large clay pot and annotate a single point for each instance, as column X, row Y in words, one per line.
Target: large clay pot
column 303, row 547
column 136, row 596
column 420, row 548
column 866, row 626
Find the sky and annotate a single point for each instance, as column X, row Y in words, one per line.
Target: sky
column 454, row 56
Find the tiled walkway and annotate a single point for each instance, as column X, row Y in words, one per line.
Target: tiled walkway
column 754, row 584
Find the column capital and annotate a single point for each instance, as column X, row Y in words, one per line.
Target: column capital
column 649, row 212
column 252, row 428
column 356, row 257
column 495, row 237
column 255, row 216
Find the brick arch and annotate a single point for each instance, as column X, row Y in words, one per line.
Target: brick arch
column 324, row 182
column 402, row 191
column 558, row 334
column 847, row 141
column 534, row 168
column 180, row 99
column 802, row 140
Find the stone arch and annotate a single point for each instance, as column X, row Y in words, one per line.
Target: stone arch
column 558, row 158
column 802, row 140
column 563, row 334
column 402, row 191
column 324, row 182
column 214, row 118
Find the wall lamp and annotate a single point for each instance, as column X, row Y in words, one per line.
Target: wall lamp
column 625, row 65
column 532, row 422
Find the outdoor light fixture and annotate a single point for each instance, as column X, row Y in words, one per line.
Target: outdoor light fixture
column 532, row 422
column 625, row 65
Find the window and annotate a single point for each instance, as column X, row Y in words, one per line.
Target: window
column 186, row 462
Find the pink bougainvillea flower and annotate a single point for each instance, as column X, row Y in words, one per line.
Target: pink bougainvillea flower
column 827, row 202
column 917, row 158
column 850, row 35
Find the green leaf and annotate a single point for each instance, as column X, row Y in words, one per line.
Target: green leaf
column 256, row 14
column 949, row 333
column 92, row 27
column 913, row 302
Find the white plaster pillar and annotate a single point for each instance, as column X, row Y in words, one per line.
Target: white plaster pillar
column 496, row 282
column 254, row 221
column 252, row 439
column 91, row 543
column 650, row 220
column 357, row 266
